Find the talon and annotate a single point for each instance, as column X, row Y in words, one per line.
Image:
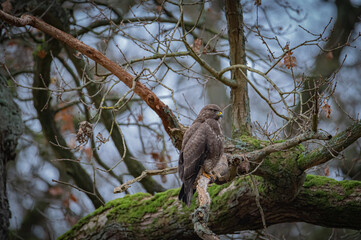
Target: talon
column 209, row 176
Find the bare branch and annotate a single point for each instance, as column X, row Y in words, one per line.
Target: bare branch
column 168, row 119
column 144, row 174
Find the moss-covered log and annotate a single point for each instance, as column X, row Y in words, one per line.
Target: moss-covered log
column 322, row 201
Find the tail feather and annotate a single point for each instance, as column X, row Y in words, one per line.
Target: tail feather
column 186, row 195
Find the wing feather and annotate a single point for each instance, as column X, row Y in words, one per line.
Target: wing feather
column 192, row 156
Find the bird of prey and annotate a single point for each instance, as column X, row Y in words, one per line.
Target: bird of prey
column 202, row 148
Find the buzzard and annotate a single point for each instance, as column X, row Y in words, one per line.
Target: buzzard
column 202, row 148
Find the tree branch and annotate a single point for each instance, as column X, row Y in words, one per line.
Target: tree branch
column 170, row 122
column 333, row 147
column 51, row 132
column 141, row 216
column 258, row 155
column 144, row 174
column 201, row 215
column 135, row 168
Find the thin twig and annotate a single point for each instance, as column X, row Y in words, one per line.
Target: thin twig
column 144, row 174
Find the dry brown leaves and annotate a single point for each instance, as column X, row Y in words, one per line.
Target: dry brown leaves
column 197, row 44
column 66, row 118
column 85, row 132
column 160, row 162
column 289, row 60
column 41, row 53
column 326, row 171
column 326, row 108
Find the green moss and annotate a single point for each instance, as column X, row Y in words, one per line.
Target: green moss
column 218, row 201
column 141, row 204
column 235, row 189
column 247, row 143
column 215, row 189
column 349, row 186
column 346, row 187
column 253, row 141
column 131, row 209
column 313, row 180
column 304, row 159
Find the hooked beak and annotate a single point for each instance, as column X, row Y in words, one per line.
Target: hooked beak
column 220, row 114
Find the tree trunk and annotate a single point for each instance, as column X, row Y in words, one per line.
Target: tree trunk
column 11, row 128
column 241, row 116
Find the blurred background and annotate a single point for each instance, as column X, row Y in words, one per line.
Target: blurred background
column 57, row 88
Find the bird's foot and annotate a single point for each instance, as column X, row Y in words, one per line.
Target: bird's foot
column 209, row 176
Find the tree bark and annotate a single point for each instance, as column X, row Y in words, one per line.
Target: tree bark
column 241, row 116
column 11, row 128
column 321, row 201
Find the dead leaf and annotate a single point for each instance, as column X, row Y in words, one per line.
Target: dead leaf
column 158, row 9
column 155, row 155
column 88, row 152
column 55, row 191
column 196, row 46
column 289, row 60
column 66, row 118
column 326, row 108
column 73, row 198
column 140, row 117
column 41, row 53
column 85, row 132
column 329, row 55
column 258, row 2
column 160, row 163
column 204, row 51
column 66, row 203
column 326, row 171
column 12, row 43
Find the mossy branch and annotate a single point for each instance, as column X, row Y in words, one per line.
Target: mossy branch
column 322, row 201
column 333, row 147
column 257, row 155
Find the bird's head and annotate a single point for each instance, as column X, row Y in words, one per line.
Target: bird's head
column 210, row 111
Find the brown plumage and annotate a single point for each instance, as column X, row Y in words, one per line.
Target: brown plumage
column 202, row 148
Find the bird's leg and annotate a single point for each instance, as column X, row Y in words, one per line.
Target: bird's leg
column 210, row 176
